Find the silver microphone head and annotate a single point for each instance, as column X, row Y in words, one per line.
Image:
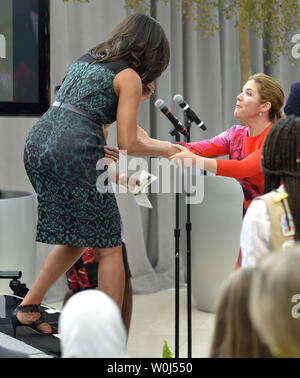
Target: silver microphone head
column 159, row 103
column 178, row 99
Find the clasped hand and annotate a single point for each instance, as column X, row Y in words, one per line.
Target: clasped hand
column 183, row 157
column 177, row 153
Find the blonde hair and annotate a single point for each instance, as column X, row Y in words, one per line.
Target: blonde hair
column 234, row 335
column 270, row 90
column 272, row 302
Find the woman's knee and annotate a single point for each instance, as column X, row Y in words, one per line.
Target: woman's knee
column 112, row 252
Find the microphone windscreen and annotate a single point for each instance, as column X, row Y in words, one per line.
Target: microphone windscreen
column 159, row 103
column 178, row 99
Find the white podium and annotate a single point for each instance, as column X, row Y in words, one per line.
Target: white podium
column 17, row 235
column 215, row 238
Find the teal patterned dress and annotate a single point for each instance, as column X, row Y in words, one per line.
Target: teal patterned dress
column 60, row 157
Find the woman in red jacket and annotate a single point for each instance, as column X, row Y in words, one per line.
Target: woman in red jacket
column 258, row 106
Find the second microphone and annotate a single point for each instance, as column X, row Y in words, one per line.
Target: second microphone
column 160, row 104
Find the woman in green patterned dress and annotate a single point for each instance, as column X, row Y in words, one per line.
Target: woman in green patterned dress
column 63, row 148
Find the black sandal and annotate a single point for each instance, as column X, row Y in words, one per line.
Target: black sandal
column 33, row 326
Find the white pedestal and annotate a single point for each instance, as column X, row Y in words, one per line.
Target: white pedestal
column 216, row 226
column 17, row 235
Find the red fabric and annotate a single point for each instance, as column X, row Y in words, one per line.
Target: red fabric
column 211, row 150
column 248, row 168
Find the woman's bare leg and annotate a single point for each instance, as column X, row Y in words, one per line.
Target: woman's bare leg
column 59, row 260
column 127, row 305
column 111, row 273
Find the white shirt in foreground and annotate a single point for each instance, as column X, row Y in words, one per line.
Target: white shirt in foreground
column 255, row 234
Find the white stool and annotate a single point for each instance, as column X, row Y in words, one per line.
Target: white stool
column 216, row 226
column 17, row 235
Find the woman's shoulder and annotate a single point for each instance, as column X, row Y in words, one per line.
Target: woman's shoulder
column 237, row 131
column 115, row 66
column 242, row 128
column 86, row 58
column 257, row 209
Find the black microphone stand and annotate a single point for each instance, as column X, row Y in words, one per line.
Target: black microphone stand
column 188, row 227
column 175, row 133
column 188, row 119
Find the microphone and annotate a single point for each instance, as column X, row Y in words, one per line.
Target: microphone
column 160, row 104
column 190, row 113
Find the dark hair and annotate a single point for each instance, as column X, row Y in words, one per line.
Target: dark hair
column 281, row 162
column 141, row 41
column 292, row 106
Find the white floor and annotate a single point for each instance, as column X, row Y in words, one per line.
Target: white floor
column 153, row 321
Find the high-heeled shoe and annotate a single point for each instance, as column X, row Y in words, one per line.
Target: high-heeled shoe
column 33, row 326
